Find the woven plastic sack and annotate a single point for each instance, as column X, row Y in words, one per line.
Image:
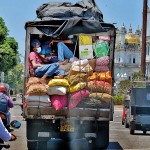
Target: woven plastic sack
column 99, row 86
column 36, row 89
column 57, row 90
column 101, row 96
column 76, row 97
column 101, row 68
column 33, row 80
column 58, row 82
column 77, row 78
column 35, row 100
column 77, row 87
column 103, row 61
column 101, row 48
column 59, row 101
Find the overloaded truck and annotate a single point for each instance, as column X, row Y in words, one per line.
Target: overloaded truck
column 73, row 112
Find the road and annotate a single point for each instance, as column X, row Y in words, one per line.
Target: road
column 120, row 137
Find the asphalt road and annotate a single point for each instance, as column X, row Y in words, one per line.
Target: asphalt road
column 120, row 137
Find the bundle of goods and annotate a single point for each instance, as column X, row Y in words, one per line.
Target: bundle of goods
column 36, row 94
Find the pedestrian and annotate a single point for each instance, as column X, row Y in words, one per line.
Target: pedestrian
column 5, row 102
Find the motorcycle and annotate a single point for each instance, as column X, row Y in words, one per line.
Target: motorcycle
column 14, row 124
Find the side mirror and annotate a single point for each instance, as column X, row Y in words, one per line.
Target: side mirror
column 15, row 124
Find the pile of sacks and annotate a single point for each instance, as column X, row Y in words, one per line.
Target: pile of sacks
column 82, row 83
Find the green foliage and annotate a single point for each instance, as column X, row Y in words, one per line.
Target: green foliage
column 8, row 49
column 124, row 86
column 3, row 31
column 137, row 76
column 15, row 77
column 118, row 99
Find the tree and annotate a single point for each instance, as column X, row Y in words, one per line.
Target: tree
column 8, row 49
column 15, row 77
column 124, row 86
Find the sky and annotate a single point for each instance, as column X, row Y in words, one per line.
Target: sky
column 16, row 12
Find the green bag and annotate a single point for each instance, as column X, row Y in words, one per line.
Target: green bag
column 101, row 48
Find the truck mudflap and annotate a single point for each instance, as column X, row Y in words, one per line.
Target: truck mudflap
column 84, row 113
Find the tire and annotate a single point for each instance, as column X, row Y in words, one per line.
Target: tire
column 144, row 132
column 122, row 122
column 126, row 124
column 102, row 140
column 131, row 131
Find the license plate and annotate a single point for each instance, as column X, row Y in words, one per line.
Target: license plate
column 66, row 127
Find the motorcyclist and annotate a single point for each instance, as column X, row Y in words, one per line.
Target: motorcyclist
column 4, row 90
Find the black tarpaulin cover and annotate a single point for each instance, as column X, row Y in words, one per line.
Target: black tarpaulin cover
column 86, row 9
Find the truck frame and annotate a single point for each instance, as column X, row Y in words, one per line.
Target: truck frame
column 90, row 125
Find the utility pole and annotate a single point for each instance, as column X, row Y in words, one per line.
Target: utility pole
column 144, row 29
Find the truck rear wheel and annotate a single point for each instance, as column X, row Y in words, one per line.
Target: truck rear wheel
column 102, row 139
column 131, row 131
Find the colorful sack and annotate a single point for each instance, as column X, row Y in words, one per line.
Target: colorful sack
column 105, row 76
column 33, row 80
column 58, row 82
column 59, row 101
column 77, row 87
column 36, row 89
column 80, row 62
column 101, row 48
column 101, row 96
column 99, row 86
column 35, row 100
column 85, row 69
column 102, row 61
column 57, row 90
column 75, row 79
column 76, row 97
column 101, row 68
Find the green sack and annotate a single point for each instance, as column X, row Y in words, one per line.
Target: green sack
column 101, row 48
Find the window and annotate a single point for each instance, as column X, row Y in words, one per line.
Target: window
column 119, row 59
column 133, row 60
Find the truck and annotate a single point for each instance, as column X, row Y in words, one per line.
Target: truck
column 138, row 115
column 84, row 126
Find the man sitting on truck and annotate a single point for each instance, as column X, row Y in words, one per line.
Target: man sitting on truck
column 37, row 66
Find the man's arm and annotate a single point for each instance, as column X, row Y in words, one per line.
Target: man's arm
column 4, row 134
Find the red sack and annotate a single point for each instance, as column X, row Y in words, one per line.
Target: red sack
column 59, row 101
column 76, row 97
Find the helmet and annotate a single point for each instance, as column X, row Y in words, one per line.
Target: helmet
column 2, row 88
column 35, row 43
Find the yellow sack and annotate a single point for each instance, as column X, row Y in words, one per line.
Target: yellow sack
column 58, row 82
column 102, row 96
column 77, row 87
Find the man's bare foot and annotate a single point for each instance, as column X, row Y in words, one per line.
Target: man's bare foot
column 63, row 62
column 59, row 77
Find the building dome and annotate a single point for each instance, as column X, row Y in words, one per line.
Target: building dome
column 132, row 38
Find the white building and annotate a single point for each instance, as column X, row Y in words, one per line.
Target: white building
column 127, row 53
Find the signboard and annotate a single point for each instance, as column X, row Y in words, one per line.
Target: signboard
column 85, row 47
